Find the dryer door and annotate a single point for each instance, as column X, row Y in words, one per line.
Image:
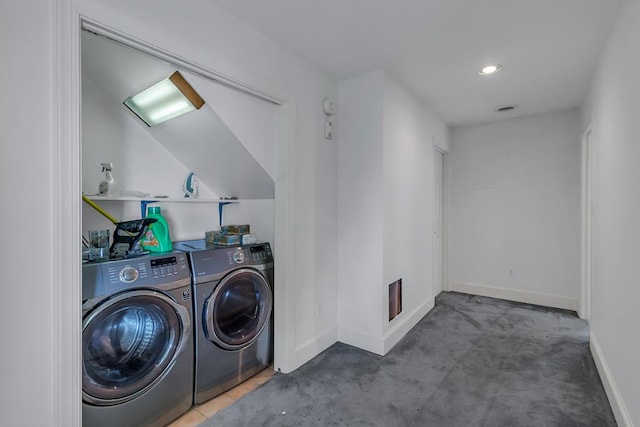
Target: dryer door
column 129, row 343
column 238, row 309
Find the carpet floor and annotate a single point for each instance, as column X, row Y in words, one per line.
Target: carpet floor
column 472, row 361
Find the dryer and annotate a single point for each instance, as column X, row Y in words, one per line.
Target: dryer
column 233, row 322
column 137, row 341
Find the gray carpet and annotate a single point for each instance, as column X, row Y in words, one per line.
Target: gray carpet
column 472, row 361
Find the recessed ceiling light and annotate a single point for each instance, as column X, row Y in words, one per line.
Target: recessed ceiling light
column 490, row 69
column 506, row 108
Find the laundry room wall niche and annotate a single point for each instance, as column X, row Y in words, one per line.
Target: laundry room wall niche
column 231, row 153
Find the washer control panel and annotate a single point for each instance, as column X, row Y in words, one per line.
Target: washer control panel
column 144, row 271
column 164, row 267
column 128, row 274
column 238, row 256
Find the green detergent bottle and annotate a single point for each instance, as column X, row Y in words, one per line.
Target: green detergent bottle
column 156, row 238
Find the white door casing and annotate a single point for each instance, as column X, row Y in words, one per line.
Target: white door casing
column 438, row 223
column 587, row 212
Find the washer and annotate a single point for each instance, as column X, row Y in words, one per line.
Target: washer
column 233, row 322
column 137, row 341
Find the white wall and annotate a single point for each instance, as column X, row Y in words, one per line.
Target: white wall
column 385, row 210
column 613, row 111
column 407, row 166
column 27, row 219
column 361, row 206
column 514, row 209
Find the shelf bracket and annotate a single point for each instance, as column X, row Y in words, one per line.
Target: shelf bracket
column 221, row 206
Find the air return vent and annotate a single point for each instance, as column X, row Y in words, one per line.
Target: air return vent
column 395, row 299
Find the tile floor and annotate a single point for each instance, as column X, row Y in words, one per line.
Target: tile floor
column 200, row 413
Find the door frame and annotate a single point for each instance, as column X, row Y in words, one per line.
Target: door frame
column 444, row 202
column 67, row 21
column 587, row 211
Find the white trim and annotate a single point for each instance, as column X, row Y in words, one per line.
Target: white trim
column 546, row 300
column 402, row 328
column 314, row 346
column 446, row 286
column 382, row 344
column 361, row 340
column 623, row 418
column 586, row 240
column 285, row 242
column 445, row 223
column 65, row 182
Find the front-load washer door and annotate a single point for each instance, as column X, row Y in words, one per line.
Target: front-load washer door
column 238, row 309
column 129, row 343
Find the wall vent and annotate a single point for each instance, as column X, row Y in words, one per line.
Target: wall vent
column 395, row 299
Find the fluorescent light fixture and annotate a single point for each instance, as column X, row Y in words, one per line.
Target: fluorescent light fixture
column 490, row 69
column 170, row 98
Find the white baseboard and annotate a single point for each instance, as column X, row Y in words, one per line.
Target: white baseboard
column 403, row 326
column 314, row 346
column 361, row 340
column 382, row 344
column 615, row 399
column 546, row 300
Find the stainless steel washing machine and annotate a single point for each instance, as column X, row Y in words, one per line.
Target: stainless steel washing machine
column 233, row 305
column 137, row 341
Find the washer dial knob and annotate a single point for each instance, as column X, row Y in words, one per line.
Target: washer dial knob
column 128, row 275
column 238, row 256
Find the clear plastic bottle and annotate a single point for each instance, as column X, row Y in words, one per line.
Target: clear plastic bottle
column 156, row 238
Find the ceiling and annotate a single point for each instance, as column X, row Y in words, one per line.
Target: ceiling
column 435, row 48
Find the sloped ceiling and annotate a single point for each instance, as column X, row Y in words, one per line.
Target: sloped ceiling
column 200, row 140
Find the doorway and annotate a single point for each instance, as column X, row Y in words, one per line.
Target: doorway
column 69, row 208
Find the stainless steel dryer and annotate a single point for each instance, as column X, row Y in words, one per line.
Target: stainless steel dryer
column 233, row 324
column 137, row 341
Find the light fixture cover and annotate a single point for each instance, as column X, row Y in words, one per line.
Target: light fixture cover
column 170, row 98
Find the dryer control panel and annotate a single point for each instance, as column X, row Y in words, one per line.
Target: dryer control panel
column 214, row 262
column 260, row 253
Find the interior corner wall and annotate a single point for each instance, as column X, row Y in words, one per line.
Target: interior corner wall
column 440, row 132
column 408, row 173
column 613, row 113
column 385, row 202
column 206, row 35
column 514, row 209
column 360, row 210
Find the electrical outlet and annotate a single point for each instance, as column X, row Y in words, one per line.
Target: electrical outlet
column 512, row 272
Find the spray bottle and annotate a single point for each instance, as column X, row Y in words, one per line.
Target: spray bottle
column 108, row 186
